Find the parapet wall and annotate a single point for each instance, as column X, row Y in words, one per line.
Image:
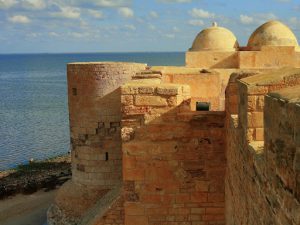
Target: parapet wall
column 267, row 57
column 262, row 176
column 139, row 131
column 173, row 159
column 205, row 85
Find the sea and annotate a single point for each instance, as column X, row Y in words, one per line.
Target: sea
column 34, row 121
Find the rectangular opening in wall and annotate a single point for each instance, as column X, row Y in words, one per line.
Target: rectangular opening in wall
column 202, row 106
column 74, row 91
column 106, row 156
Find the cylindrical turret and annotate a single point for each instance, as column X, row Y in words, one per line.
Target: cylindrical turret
column 95, row 111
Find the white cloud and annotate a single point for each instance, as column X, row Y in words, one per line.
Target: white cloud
column 6, row 4
column 78, row 35
column 196, row 22
column 130, row 27
column 140, row 20
column 154, row 14
column 171, row 36
column 200, row 13
column 33, row 4
column 53, row 34
column 176, row 29
column 175, row 1
column 100, row 3
column 151, row 27
column 257, row 19
column 19, row 19
column 266, row 16
column 33, row 35
column 96, row 13
column 126, row 12
column 294, row 20
column 294, row 23
column 246, row 19
column 67, row 12
column 111, row 3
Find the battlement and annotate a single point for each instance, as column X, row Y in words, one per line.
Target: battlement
column 213, row 142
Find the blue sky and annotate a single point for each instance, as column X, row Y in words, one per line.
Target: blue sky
column 33, row 26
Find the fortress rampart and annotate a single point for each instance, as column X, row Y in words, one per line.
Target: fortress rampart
column 214, row 142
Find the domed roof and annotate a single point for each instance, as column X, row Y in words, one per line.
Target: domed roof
column 215, row 39
column 272, row 33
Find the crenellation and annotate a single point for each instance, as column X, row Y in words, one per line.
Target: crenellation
column 143, row 155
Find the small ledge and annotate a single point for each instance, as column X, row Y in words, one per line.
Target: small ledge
column 256, row 147
column 234, row 121
column 289, row 95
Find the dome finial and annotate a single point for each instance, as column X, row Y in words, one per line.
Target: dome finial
column 214, row 24
column 215, row 39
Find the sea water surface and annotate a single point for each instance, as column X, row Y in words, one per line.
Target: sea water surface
column 33, row 101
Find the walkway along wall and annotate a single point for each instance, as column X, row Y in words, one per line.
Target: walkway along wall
column 262, row 174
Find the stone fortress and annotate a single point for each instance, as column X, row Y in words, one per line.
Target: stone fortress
column 214, row 142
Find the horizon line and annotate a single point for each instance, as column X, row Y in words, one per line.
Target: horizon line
column 113, row 52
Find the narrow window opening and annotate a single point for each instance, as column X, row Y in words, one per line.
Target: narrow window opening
column 106, row 156
column 74, row 91
column 202, row 106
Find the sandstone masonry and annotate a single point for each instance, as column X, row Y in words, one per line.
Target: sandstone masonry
column 212, row 143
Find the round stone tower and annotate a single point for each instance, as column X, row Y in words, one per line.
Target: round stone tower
column 95, row 115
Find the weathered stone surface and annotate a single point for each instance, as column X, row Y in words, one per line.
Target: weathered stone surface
column 150, row 101
column 170, row 159
column 265, row 168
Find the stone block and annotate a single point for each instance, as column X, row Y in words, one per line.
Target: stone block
column 135, row 110
column 150, row 101
column 260, row 103
column 127, row 99
column 135, row 174
column 255, row 119
column 169, row 90
column 198, row 211
column 199, row 197
column 146, row 90
column 129, row 90
column 259, row 134
column 214, row 210
column 129, row 162
column 134, row 209
column 136, row 220
column 251, row 103
column 216, row 197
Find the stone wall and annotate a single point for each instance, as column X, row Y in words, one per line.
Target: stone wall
column 114, row 215
column 205, row 85
column 261, row 179
column 212, row 59
column 95, row 116
column 269, row 57
column 282, row 153
column 173, row 159
column 246, row 58
column 168, row 160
